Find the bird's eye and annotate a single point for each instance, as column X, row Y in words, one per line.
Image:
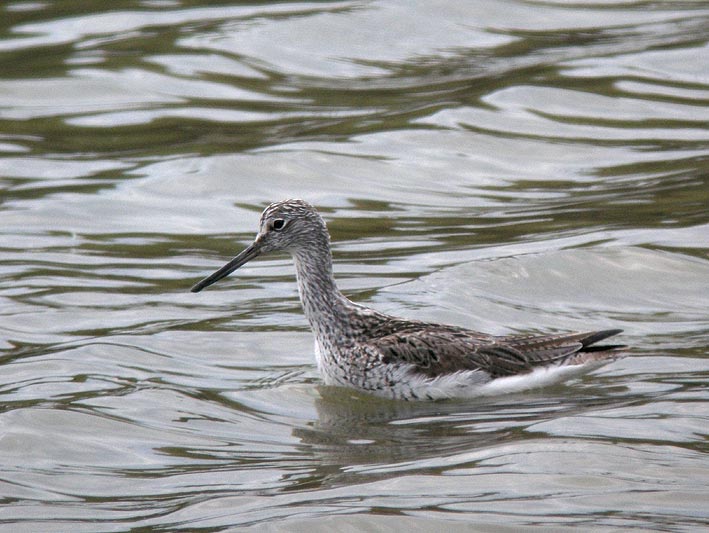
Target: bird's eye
column 278, row 224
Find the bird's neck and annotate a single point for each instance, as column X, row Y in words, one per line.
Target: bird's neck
column 328, row 311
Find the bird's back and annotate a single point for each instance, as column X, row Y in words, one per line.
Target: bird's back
column 401, row 358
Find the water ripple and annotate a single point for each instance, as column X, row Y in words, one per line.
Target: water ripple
column 504, row 165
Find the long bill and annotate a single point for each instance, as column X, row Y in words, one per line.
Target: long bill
column 244, row 257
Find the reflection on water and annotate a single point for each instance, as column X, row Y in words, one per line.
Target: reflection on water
column 507, row 166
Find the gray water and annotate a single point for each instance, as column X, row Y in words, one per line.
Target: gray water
column 509, row 166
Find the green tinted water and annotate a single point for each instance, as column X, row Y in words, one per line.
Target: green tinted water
column 507, row 166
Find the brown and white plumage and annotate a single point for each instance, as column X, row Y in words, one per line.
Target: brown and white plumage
column 370, row 351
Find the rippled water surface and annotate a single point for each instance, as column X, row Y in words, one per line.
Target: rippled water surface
column 510, row 166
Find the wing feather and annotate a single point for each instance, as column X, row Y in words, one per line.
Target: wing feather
column 434, row 349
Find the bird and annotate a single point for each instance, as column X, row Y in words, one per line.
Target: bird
column 372, row 352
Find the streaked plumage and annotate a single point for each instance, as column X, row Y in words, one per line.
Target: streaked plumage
column 396, row 358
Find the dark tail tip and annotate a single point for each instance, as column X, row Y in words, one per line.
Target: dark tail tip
column 596, row 336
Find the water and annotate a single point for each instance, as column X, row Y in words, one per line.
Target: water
column 507, row 166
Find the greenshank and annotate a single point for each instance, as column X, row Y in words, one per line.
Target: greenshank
column 373, row 352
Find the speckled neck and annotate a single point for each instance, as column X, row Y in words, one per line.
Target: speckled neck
column 325, row 307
